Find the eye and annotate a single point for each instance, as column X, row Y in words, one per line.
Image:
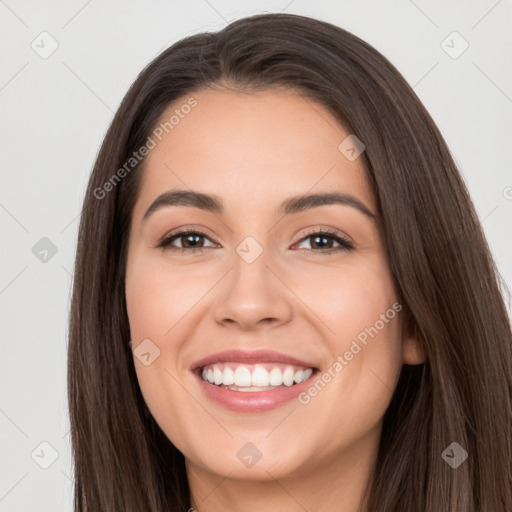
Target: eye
column 323, row 240
column 320, row 241
column 190, row 240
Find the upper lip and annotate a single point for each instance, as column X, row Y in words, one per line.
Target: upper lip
column 250, row 357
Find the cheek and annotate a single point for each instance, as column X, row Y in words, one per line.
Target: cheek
column 155, row 303
column 349, row 299
column 158, row 297
column 360, row 322
column 158, row 300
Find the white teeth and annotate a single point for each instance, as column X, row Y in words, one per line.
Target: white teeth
column 288, row 376
column 242, row 376
column 254, row 377
column 276, row 377
column 217, row 376
column 254, row 388
column 307, row 373
column 260, row 377
column 229, row 377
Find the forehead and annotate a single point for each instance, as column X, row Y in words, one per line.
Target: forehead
column 252, row 149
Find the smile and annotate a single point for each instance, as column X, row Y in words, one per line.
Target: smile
column 252, row 381
column 254, row 377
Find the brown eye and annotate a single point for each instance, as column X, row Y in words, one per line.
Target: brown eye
column 319, row 242
column 323, row 241
column 188, row 240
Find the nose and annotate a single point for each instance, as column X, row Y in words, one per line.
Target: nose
column 253, row 295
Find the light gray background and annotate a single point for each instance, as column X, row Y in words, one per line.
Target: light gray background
column 55, row 112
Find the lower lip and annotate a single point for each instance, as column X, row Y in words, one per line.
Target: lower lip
column 252, row 401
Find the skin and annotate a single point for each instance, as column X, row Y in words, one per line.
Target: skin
column 253, row 150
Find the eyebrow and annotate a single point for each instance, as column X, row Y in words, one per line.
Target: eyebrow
column 214, row 204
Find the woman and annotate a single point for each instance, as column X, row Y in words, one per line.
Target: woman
column 283, row 299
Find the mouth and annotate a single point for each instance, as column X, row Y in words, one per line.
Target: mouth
column 254, row 381
column 254, row 377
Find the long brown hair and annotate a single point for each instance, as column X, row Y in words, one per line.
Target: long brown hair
column 439, row 259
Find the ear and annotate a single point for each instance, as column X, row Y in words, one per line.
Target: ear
column 413, row 352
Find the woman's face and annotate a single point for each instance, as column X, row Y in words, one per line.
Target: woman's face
column 263, row 281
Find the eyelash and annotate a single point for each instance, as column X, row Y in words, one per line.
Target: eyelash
column 345, row 244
